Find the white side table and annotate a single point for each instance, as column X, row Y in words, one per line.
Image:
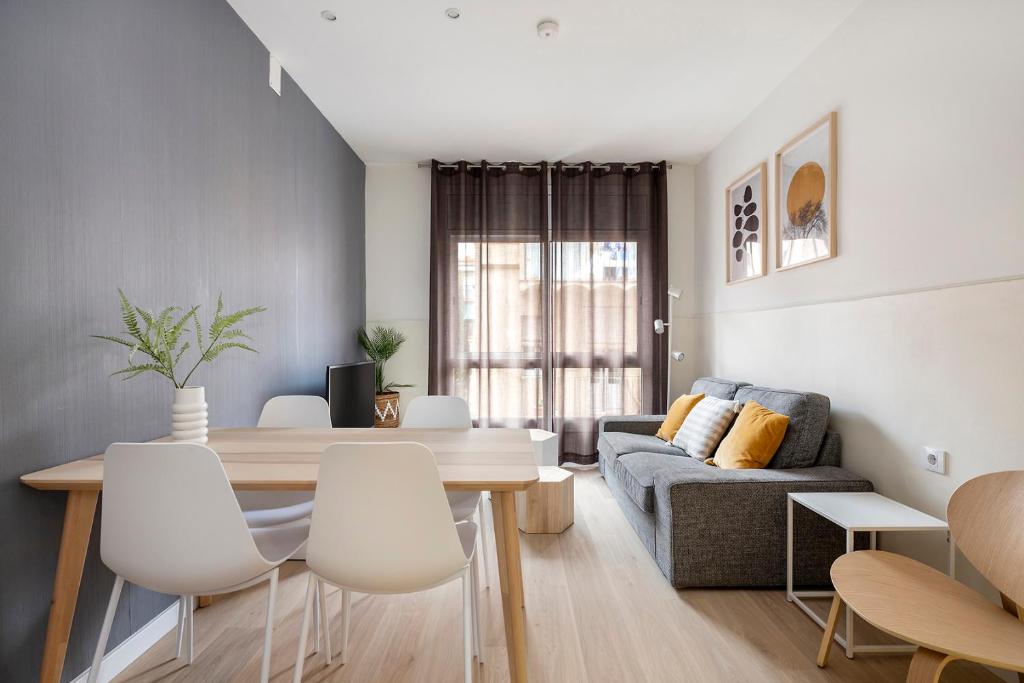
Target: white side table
column 545, row 447
column 854, row 511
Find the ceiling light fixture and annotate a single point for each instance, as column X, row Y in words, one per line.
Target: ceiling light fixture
column 328, row 15
column 452, row 13
column 547, row 29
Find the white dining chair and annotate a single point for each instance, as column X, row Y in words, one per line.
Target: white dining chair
column 410, row 545
column 149, row 538
column 271, row 508
column 452, row 412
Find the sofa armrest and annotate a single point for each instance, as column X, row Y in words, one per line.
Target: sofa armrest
column 798, row 478
column 631, row 424
column 728, row 527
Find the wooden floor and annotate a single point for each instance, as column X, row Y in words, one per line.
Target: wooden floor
column 597, row 609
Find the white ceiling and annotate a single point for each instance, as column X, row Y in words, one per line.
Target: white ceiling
column 626, row 80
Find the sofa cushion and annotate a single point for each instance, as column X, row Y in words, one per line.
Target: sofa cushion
column 705, row 426
column 753, row 439
column 681, row 407
column 808, row 420
column 719, row 388
column 635, row 471
column 624, row 442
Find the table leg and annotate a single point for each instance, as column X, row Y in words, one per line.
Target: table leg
column 849, row 612
column 510, row 573
column 927, row 666
column 830, row 631
column 789, row 549
column 74, row 543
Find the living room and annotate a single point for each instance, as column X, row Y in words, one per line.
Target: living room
column 692, row 329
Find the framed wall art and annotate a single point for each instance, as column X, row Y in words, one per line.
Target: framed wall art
column 746, row 226
column 805, row 197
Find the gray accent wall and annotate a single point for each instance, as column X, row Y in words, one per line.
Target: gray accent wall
column 141, row 147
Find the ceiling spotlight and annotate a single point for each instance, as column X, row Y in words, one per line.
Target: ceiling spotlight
column 328, row 15
column 452, row 13
column 547, row 29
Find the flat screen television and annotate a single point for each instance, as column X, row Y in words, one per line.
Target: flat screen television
column 350, row 394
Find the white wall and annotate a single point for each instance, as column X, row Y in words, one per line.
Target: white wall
column 397, row 265
column 915, row 330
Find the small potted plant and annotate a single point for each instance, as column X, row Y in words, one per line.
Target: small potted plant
column 160, row 340
column 380, row 345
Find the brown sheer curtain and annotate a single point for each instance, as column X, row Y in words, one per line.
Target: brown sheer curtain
column 535, row 324
column 488, row 247
column 609, row 283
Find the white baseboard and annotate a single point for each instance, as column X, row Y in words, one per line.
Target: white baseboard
column 132, row 647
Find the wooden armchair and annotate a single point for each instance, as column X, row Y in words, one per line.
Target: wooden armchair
column 944, row 618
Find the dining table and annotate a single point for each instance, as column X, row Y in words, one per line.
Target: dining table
column 500, row 461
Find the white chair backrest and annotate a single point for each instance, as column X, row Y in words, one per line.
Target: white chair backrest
column 381, row 521
column 440, row 412
column 296, row 411
column 170, row 519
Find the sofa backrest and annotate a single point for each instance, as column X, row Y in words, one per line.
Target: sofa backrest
column 724, row 389
column 808, row 421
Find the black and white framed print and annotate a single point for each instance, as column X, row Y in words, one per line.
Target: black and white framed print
column 745, row 226
column 805, row 197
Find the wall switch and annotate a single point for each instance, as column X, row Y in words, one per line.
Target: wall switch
column 935, row 459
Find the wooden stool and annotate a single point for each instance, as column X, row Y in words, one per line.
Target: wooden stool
column 547, row 506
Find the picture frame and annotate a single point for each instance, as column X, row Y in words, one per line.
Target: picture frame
column 746, row 226
column 806, row 185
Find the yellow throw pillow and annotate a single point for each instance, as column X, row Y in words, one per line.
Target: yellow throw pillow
column 681, row 407
column 753, row 440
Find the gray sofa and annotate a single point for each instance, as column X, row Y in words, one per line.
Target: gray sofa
column 727, row 528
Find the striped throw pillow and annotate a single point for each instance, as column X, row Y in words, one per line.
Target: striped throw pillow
column 705, row 426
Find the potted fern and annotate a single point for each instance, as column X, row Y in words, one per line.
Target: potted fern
column 380, row 344
column 156, row 343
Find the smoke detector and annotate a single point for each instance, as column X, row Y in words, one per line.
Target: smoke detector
column 547, row 29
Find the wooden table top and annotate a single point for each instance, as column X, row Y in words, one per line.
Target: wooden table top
column 288, row 459
column 922, row 605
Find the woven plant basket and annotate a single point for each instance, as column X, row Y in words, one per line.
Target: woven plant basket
column 385, row 410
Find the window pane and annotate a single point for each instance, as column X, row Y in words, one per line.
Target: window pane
column 499, row 307
column 596, row 298
column 502, row 396
column 586, row 392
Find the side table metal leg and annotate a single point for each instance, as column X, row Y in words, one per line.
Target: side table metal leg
column 789, row 549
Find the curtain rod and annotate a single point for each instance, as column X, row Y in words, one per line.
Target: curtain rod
column 605, row 166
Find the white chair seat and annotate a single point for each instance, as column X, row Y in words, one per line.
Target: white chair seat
column 274, row 516
column 463, row 504
column 467, row 536
column 278, row 543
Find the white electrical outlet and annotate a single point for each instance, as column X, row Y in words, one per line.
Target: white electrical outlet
column 935, row 460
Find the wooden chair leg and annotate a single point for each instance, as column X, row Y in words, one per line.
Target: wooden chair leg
column 830, row 631
column 927, row 666
column 1017, row 611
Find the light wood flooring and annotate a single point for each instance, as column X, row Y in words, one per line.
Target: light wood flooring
column 597, row 609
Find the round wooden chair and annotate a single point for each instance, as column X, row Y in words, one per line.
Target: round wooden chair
column 943, row 617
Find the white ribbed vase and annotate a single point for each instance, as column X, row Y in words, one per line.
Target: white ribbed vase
column 188, row 415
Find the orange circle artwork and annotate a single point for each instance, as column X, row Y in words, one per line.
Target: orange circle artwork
column 806, row 187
